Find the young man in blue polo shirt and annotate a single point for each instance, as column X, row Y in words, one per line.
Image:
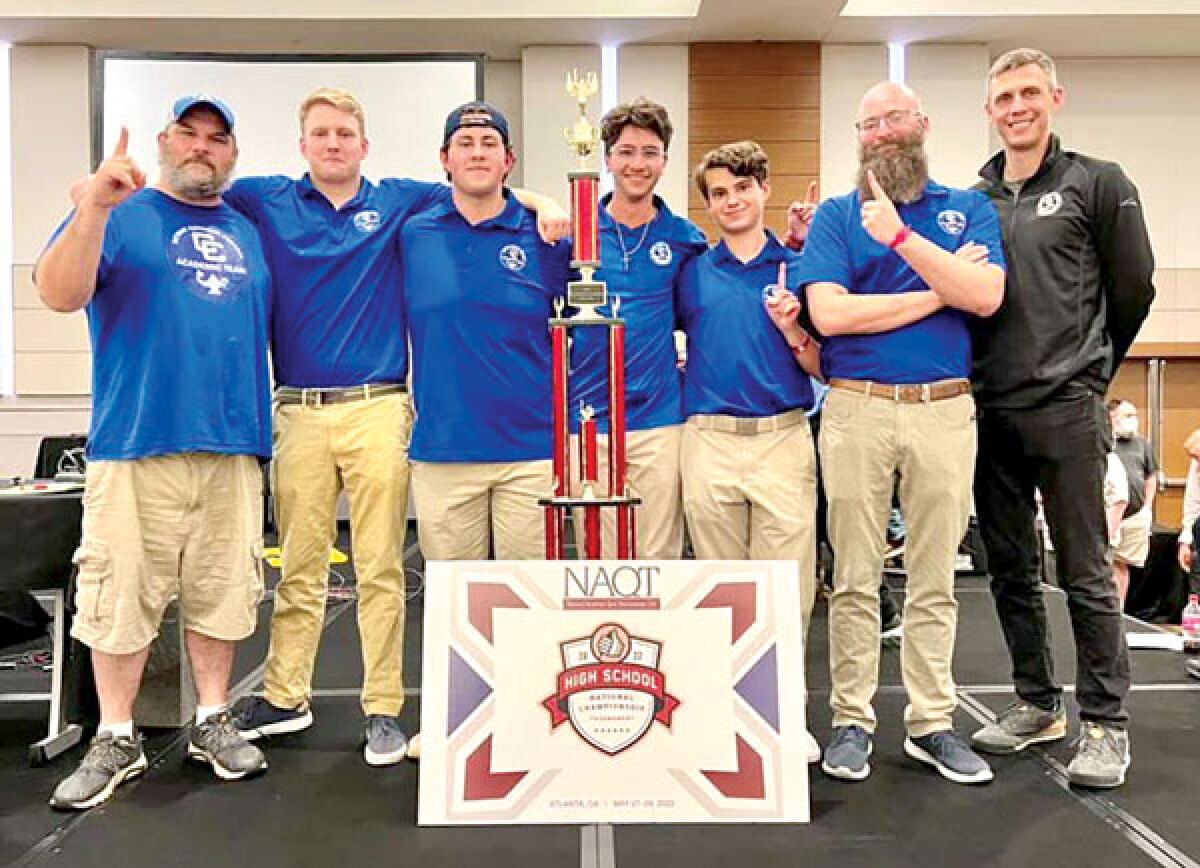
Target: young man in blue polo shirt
column 643, row 247
column 176, row 290
column 892, row 299
column 343, row 415
column 749, row 469
column 479, row 287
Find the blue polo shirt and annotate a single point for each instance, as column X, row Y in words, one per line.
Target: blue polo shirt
column 739, row 363
column 339, row 316
column 178, row 327
column 840, row 251
column 478, row 299
column 646, row 287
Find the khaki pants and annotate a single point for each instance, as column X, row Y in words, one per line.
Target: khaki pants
column 865, row 442
column 461, row 507
column 187, row 525
column 361, row 446
column 652, row 459
column 753, row 497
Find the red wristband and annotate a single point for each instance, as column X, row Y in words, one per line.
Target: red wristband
column 903, row 235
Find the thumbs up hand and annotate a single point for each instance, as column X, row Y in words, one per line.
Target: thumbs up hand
column 879, row 215
column 116, row 179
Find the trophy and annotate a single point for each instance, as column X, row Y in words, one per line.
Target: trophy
column 585, row 296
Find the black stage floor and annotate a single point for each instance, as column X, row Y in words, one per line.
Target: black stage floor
column 321, row 805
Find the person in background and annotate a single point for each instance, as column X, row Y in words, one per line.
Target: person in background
column 1141, row 473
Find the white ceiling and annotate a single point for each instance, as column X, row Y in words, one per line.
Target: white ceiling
column 500, row 28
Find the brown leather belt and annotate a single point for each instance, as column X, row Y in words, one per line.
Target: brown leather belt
column 747, row 424
column 321, row 397
column 905, row 393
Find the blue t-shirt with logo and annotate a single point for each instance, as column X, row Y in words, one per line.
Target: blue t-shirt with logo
column 479, row 298
column 738, row 362
column 646, row 288
column 840, row 251
column 178, row 327
column 339, row 315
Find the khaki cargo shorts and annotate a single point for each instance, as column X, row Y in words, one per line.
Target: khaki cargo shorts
column 186, row 526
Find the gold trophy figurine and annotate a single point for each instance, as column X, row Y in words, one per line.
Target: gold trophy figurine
column 584, row 136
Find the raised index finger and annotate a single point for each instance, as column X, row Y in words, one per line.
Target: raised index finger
column 122, row 142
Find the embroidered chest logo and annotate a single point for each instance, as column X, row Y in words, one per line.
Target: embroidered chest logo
column 952, row 222
column 660, row 253
column 512, row 257
column 208, row 262
column 366, row 221
column 1049, row 204
column 611, row 688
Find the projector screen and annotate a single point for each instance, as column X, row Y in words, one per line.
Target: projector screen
column 406, row 99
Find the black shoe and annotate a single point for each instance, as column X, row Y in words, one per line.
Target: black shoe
column 255, row 717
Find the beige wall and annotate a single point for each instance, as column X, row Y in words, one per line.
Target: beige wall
column 660, row 73
column 1139, row 112
column 1144, row 114
column 51, row 118
column 502, row 88
column 545, row 101
column 846, row 72
column 950, row 81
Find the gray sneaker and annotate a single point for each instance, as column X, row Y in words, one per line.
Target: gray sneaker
column 1193, row 668
column 386, row 743
column 218, row 743
column 1019, row 726
column 1101, row 757
column 109, row 762
column 950, row 755
column 846, row 755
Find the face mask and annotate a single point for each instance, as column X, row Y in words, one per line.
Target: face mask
column 1126, row 428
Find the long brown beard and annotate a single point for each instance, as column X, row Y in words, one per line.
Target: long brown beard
column 901, row 167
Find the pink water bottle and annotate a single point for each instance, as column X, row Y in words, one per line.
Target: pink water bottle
column 1191, row 626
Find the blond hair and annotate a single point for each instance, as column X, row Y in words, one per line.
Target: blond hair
column 340, row 99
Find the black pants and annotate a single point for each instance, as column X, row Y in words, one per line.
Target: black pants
column 1059, row 448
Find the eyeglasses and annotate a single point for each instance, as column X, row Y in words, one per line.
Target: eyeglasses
column 628, row 152
column 893, row 119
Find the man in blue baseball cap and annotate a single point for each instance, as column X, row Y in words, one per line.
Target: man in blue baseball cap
column 176, row 289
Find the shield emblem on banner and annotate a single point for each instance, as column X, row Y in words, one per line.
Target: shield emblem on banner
column 615, row 688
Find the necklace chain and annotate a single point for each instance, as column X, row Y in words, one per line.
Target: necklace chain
column 627, row 254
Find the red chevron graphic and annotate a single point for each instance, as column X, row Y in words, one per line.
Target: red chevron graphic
column 482, row 598
column 739, row 596
column 480, row 783
column 748, row 781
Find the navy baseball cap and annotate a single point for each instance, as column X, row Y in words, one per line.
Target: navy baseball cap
column 475, row 114
column 185, row 104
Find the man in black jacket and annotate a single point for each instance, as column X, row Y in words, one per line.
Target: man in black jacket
column 1078, row 289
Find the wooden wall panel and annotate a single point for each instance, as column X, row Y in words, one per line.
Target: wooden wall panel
column 766, row 91
column 1181, row 412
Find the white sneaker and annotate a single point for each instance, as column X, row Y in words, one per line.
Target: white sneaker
column 811, row 748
